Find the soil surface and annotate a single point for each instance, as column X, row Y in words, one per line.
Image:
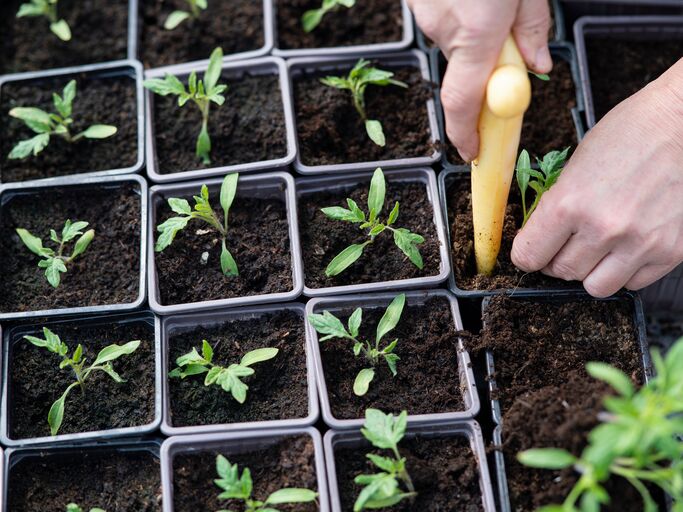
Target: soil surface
column 98, row 101
column 108, row 272
column 427, row 381
column 248, row 127
column 259, row 244
column 368, row 22
column 323, row 238
column 287, row 463
column 27, row 44
column 330, row 131
column 119, row 482
column 619, row 68
column 236, row 26
column 278, row 390
column 444, row 472
column 36, row 382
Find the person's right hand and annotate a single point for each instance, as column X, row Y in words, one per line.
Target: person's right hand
column 471, row 34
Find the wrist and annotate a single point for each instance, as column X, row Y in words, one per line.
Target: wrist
column 668, row 94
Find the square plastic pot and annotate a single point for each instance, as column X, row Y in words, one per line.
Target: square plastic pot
column 268, row 185
column 649, row 28
column 308, row 186
column 15, row 335
column 468, row 429
column 121, row 68
column 181, row 323
column 235, row 443
column 462, row 374
column 337, row 65
column 16, row 189
column 574, row 9
column 231, row 70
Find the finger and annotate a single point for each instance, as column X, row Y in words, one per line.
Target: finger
column 648, row 275
column 531, row 34
column 611, row 274
column 577, row 258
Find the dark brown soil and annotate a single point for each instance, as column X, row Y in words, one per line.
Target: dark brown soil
column 368, row 22
column 277, row 391
column 323, row 238
column 98, row 101
column 330, row 131
column 287, row 463
column 27, row 44
column 259, row 244
column 119, row 482
column 427, row 380
column 443, row 470
column 619, row 68
column 506, row 275
column 36, row 382
column 236, row 26
column 248, row 127
column 109, row 270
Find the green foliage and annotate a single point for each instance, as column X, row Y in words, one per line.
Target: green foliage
column 540, row 181
column 312, row 18
column 47, row 8
column 403, row 238
column 204, row 212
column 239, row 487
column 54, row 262
column 383, row 489
column 541, row 76
column 46, row 125
column 201, row 92
column 77, row 363
column 329, row 325
column 72, row 507
column 357, row 81
column 228, row 378
column 177, row 17
column 638, row 439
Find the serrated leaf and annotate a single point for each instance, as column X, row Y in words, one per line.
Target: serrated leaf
column 165, row 86
column 53, row 268
column 168, row 230
column 34, row 145
column 36, row 119
column 384, row 431
column 327, row 323
column 180, row 206
column 407, row 242
column 363, row 380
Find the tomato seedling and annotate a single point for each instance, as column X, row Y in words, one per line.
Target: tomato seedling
column 48, row 9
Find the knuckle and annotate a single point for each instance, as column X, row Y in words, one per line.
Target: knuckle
column 564, row 270
column 610, row 227
column 597, row 288
column 524, row 258
column 453, row 100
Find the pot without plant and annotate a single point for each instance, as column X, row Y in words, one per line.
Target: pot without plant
column 257, row 99
column 382, row 266
column 280, row 395
column 263, row 451
column 665, row 294
column 575, row 9
column 442, row 369
column 267, row 244
column 459, row 445
column 108, row 277
column 109, row 93
column 323, row 115
column 25, row 407
column 343, row 32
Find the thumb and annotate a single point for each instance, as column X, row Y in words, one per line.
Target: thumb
column 531, row 34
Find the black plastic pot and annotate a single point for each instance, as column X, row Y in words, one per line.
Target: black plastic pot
column 575, row 9
column 666, row 294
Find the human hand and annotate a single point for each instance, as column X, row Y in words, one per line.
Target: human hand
column 615, row 217
column 471, row 34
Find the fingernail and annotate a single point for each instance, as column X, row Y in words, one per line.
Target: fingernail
column 543, row 60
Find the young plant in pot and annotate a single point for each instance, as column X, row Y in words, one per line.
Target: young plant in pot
column 47, row 9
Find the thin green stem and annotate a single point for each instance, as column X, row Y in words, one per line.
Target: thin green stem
column 403, row 474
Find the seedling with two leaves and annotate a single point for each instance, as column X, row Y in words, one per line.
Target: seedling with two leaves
column 72, row 507
column 177, row 17
column 77, row 364
column 47, row 8
column 403, row 238
column 329, row 325
column 46, row 125
column 312, row 18
column 54, row 262
column 202, row 92
column 228, row 378
column 204, row 212
column 357, row 81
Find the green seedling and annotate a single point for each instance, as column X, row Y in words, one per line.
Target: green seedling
column 329, row 325
column 202, row 211
column 46, row 125
column 228, row 378
column 403, row 238
column 54, row 262
column 383, row 489
column 357, row 81
column 77, row 363
column 539, row 180
column 177, row 17
column 72, row 507
column 202, row 92
column 638, row 440
column 312, row 18
column 236, row 487
column 47, row 8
